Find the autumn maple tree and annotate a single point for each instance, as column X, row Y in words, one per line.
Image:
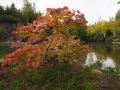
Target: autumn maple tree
column 48, row 40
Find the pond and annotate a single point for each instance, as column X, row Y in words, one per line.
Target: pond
column 107, row 54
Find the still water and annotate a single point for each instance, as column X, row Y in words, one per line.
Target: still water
column 107, row 54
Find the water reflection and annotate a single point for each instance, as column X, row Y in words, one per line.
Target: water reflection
column 92, row 59
column 107, row 54
column 108, row 63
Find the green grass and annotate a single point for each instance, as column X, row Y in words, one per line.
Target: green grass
column 63, row 77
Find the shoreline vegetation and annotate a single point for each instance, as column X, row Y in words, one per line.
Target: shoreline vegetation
column 48, row 52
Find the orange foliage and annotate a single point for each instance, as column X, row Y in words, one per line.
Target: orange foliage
column 41, row 46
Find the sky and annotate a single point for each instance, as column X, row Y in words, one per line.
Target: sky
column 92, row 9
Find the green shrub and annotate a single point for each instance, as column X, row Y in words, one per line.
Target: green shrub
column 62, row 77
column 97, row 37
column 3, row 34
column 80, row 32
column 116, row 40
column 9, row 18
column 2, row 84
column 114, row 73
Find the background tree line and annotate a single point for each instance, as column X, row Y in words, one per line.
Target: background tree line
column 105, row 30
column 11, row 14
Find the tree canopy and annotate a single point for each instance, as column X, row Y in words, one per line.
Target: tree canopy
column 41, row 47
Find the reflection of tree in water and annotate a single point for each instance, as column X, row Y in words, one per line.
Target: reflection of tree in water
column 91, row 59
column 104, row 51
column 98, row 61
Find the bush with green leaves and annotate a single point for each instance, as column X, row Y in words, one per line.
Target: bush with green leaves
column 80, row 32
column 96, row 37
column 116, row 40
column 3, row 34
column 62, row 77
column 114, row 73
column 9, row 18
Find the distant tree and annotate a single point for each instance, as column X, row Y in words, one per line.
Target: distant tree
column 11, row 14
column 115, row 27
column 1, row 10
column 80, row 32
column 98, row 31
column 117, row 17
column 11, row 10
column 105, row 26
column 109, row 33
column 13, row 6
column 29, row 11
column 91, row 29
column 118, row 2
column 99, row 27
